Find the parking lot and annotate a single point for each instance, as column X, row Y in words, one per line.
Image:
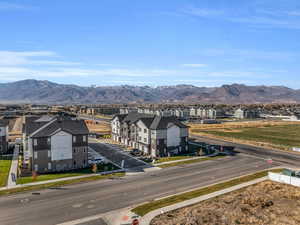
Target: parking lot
column 116, row 154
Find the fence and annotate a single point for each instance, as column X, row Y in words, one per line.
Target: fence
column 295, row 181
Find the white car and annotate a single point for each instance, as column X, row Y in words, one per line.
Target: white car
column 96, row 161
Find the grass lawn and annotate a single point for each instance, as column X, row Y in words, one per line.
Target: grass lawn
column 5, row 164
column 284, row 136
column 148, row 207
column 80, row 172
column 189, row 161
column 173, row 158
column 59, row 183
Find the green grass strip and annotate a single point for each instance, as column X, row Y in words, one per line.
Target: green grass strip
column 173, row 158
column 153, row 205
column 58, row 184
column 5, row 165
column 189, row 161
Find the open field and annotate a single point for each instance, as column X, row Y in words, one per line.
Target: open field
column 5, row 164
column 157, row 204
column 264, row 203
column 275, row 134
column 99, row 127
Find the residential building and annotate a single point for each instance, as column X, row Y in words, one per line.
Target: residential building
column 55, row 143
column 246, row 114
column 154, row 135
column 3, row 137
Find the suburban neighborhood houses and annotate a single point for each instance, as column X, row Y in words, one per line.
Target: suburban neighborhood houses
column 157, row 136
column 66, row 145
column 55, row 143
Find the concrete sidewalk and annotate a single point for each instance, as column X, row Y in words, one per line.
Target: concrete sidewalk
column 60, row 179
column 13, row 173
column 146, row 220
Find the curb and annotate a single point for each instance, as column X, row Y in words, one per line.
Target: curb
column 146, row 220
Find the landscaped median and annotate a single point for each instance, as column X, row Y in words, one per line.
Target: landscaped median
column 5, row 163
column 157, row 204
column 185, row 161
column 34, row 187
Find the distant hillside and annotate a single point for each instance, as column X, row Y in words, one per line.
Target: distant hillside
column 34, row 91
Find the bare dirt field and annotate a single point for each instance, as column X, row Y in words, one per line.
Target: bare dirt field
column 266, row 203
column 99, row 127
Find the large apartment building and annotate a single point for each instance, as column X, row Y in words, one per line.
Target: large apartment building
column 3, row 137
column 154, row 135
column 55, row 143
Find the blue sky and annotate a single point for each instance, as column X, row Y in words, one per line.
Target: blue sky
column 157, row 42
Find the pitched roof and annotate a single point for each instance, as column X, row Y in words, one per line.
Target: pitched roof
column 30, row 125
column 163, row 122
column 4, row 123
column 151, row 121
column 120, row 117
column 48, row 127
column 74, row 127
column 133, row 117
column 147, row 121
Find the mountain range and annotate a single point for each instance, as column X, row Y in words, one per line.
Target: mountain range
column 46, row 92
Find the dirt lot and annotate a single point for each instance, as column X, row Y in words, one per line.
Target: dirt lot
column 99, row 127
column 261, row 204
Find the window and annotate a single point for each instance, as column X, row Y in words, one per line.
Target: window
column 140, row 129
column 36, row 167
column 74, row 150
column 35, row 155
column 49, row 166
column 145, row 139
column 74, row 138
column 35, row 142
column 49, row 153
column 48, row 141
column 84, row 138
column 145, row 131
column 140, row 138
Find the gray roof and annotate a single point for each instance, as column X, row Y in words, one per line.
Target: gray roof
column 163, row 122
column 33, row 124
column 74, row 127
column 133, row 117
column 4, row 123
column 45, row 118
column 147, row 121
column 30, row 125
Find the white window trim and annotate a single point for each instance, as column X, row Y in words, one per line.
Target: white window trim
column 35, row 154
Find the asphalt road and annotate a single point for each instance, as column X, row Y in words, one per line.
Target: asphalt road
column 285, row 158
column 116, row 155
column 53, row 206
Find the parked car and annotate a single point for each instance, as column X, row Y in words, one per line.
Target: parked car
column 95, row 161
column 136, row 152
